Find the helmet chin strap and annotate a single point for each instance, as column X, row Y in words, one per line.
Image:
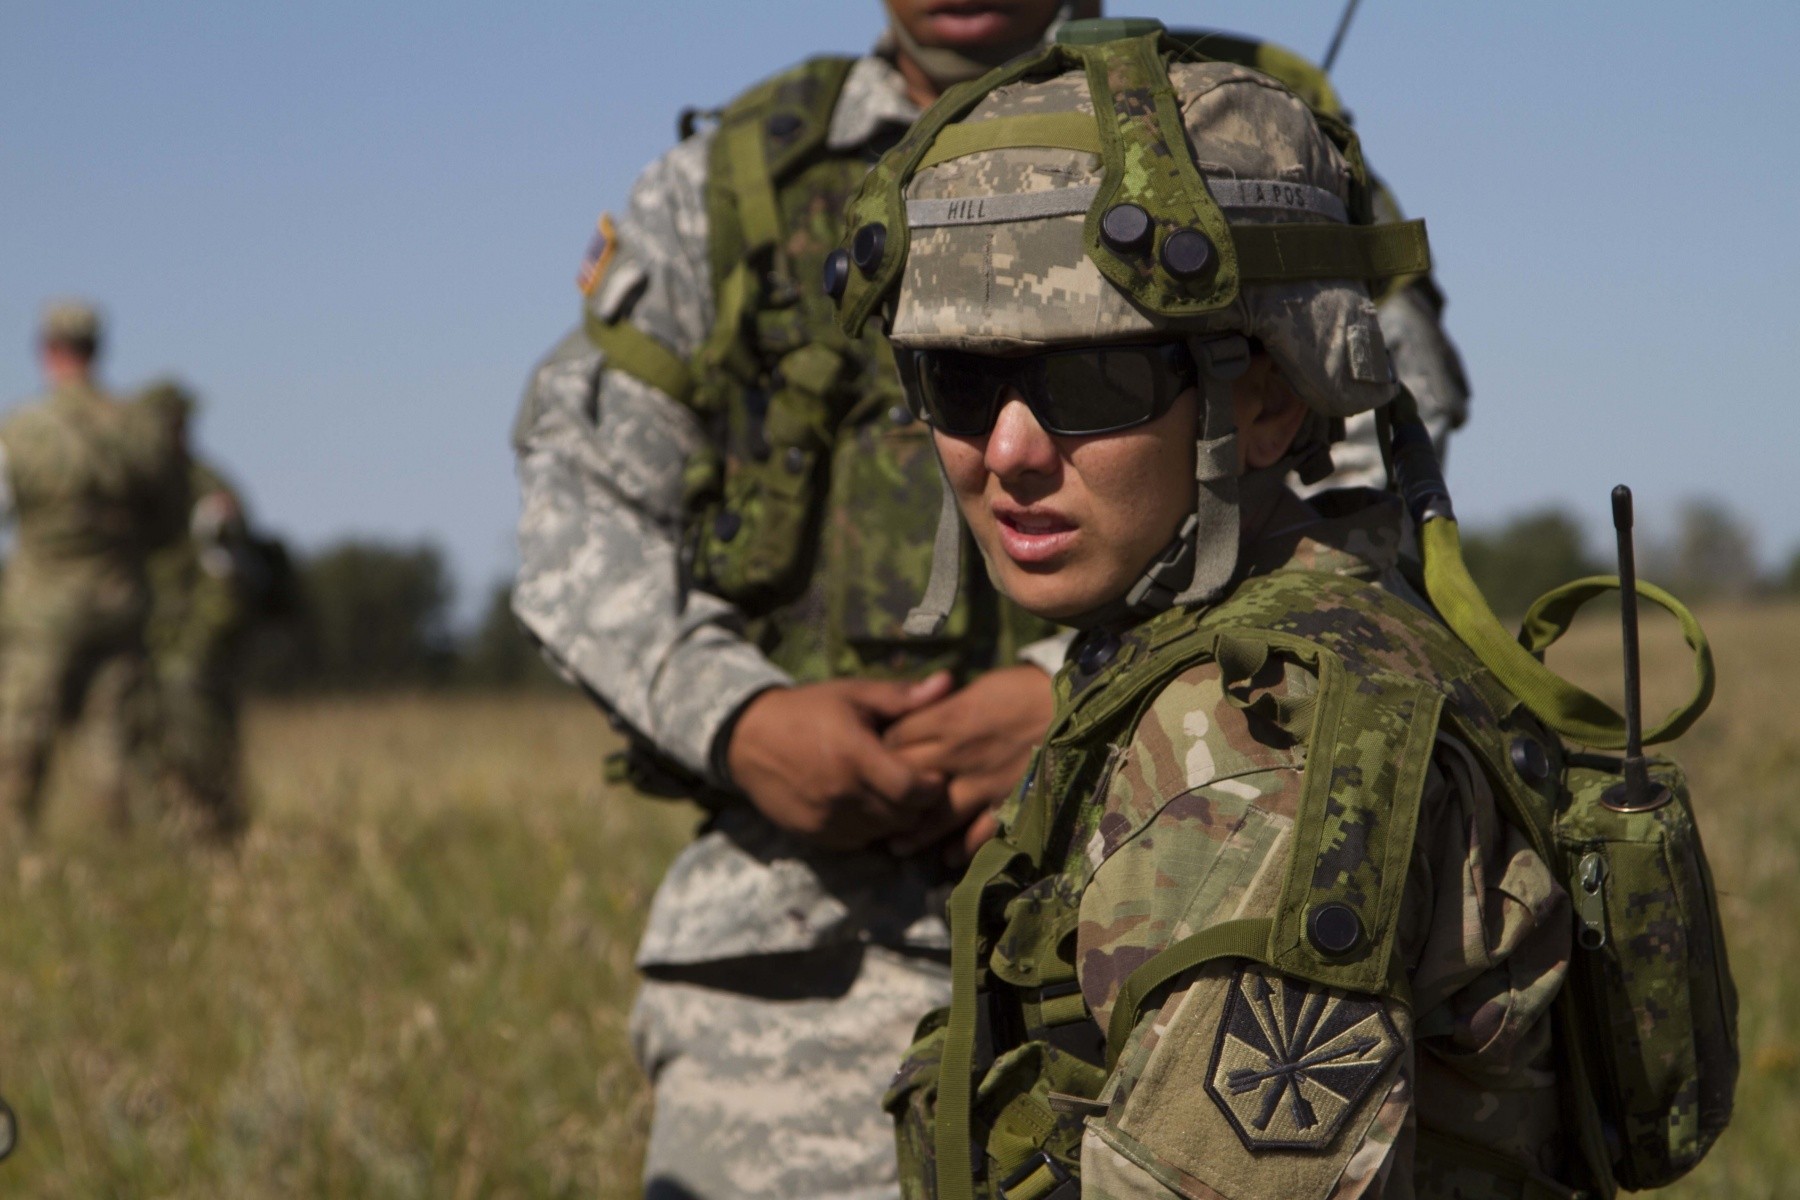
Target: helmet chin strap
column 941, row 587
column 946, row 66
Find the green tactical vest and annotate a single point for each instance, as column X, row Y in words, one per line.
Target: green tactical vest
column 815, row 506
column 996, row 1089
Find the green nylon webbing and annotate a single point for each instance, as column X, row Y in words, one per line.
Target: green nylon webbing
column 1570, row 710
column 955, row 1168
column 1247, row 937
column 1552, row 613
column 638, row 354
column 1066, row 130
column 1286, row 253
column 759, row 217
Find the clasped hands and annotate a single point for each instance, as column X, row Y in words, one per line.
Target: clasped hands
column 851, row 763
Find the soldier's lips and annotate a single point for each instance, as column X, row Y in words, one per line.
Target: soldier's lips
column 965, row 24
column 1034, row 536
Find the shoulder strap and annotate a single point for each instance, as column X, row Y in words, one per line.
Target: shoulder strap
column 1369, row 746
column 763, row 135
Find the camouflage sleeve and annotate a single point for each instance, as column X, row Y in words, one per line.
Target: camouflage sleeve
column 1246, row 1084
column 600, row 460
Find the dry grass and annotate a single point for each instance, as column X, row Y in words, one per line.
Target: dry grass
column 413, row 978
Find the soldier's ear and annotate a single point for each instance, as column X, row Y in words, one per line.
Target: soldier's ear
column 1269, row 414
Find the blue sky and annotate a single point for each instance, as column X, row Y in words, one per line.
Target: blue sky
column 353, row 227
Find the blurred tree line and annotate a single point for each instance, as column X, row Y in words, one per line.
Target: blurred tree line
column 373, row 615
column 376, row 615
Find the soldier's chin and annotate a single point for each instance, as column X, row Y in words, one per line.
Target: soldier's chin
column 1059, row 594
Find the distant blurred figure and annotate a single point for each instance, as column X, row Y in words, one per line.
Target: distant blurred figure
column 206, row 588
column 93, row 484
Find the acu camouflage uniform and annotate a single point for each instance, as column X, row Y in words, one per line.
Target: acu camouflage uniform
column 95, row 486
column 200, row 611
column 781, row 980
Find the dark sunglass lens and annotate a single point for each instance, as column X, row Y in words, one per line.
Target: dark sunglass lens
column 1096, row 391
column 958, row 391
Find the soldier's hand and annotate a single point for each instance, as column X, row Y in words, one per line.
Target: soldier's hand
column 980, row 739
column 810, row 758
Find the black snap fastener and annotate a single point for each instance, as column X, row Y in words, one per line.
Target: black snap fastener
column 837, row 273
column 1187, row 253
column 867, row 246
column 1529, row 760
column 899, row 414
column 726, row 524
column 1097, row 650
column 1334, row 928
column 1125, row 227
column 782, row 126
column 794, row 459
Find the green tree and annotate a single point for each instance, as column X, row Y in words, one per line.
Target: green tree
column 1713, row 553
column 498, row 654
column 1789, row 580
column 1526, row 557
column 375, row 616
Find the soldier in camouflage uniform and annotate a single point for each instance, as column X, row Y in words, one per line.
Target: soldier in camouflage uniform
column 1256, row 926
column 722, row 529
column 93, row 486
column 201, row 587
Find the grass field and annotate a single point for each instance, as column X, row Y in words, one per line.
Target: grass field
column 412, row 979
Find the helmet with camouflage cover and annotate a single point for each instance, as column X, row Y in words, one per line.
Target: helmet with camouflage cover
column 70, row 322
column 1119, row 190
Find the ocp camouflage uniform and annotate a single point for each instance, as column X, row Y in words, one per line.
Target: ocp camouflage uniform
column 95, row 486
column 1196, row 824
column 199, row 614
column 634, row 493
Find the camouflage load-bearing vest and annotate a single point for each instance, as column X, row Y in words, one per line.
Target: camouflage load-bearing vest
column 815, row 507
column 1646, row 1025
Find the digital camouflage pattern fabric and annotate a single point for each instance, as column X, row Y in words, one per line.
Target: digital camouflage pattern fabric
column 95, row 485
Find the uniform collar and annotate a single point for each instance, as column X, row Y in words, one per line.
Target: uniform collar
column 1355, row 532
column 874, row 99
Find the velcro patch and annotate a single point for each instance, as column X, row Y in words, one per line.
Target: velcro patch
column 1293, row 1060
column 601, row 248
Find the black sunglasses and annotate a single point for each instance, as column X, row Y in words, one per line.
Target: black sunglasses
column 1073, row 393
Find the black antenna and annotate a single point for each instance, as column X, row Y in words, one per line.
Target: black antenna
column 1337, row 39
column 1635, row 792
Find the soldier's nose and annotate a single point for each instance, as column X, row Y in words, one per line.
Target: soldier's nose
column 1018, row 445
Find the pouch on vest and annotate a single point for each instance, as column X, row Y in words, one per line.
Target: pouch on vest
column 753, row 511
column 1650, row 967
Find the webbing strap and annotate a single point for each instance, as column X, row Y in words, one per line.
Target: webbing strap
column 1064, row 130
column 642, row 356
column 1552, row 613
column 955, row 1168
column 759, row 217
column 1454, row 1152
column 1285, row 253
column 1570, row 710
column 1247, row 937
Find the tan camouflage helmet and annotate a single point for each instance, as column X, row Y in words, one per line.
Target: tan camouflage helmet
column 69, row 322
column 1197, row 200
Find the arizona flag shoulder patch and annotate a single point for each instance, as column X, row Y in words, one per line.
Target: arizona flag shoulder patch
column 601, row 248
column 1294, row 1059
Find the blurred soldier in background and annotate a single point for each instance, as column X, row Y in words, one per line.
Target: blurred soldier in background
column 727, row 512
column 94, row 485
column 204, row 589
